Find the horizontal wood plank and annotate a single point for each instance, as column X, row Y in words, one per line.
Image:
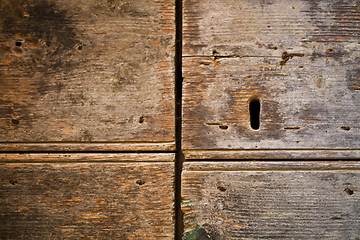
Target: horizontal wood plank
column 78, row 146
column 87, row 200
column 299, row 59
column 85, row 157
column 87, row 72
column 274, row 154
column 271, row 200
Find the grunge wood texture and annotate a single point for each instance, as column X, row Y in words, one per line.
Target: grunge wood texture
column 271, row 200
column 58, row 197
column 300, row 59
column 87, row 72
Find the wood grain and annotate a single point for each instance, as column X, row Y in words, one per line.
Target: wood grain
column 87, row 72
column 82, row 146
column 273, row 154
column 299, row 58
column 117, row 200
column 271, row 200
column 85, row 157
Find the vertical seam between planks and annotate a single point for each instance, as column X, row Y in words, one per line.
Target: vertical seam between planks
column 179, row 156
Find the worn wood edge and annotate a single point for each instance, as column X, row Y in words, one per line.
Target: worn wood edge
column 85, row 157
column 124, row 146
column 271, row 166
column 274, row 154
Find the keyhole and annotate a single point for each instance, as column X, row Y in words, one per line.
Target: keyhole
column 254, row 108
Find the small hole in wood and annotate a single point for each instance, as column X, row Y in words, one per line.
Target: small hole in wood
column 254, row 109
column 222, row 189
column 223, row 127
column 80, row 47
column 18, row 44
column 141, row 119
column 140, row 182
column 15, row 121
column 349, row 191
column 330, row 50
column 345, row 128
column 13, row 182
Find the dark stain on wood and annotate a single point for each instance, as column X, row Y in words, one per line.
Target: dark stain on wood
column 86, row 71
column 45, row 30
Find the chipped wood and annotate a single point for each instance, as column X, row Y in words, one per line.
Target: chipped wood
column 299, row 58
column 271, row 200
column 87, row 72
column 107, row 200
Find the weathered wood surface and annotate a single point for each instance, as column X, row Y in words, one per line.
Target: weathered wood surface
column 119, row 200
column 274, row 154
column 271, row 200
column 299, row 58
column 76, row 146
column 85, row 157
column 87, row 71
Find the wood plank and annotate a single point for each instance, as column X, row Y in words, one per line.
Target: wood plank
column 81, row 146
column 87, row 72
column 271, row 200
column 274, row 154
column 85, row 157
column 300, row 59
column 113, row 200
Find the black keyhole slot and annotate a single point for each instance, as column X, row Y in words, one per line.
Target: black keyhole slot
column 254, row 109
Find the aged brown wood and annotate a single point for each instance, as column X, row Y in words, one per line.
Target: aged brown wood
column 76, row 146
column 108, row 200
column 271, row 200
column 299, row 58
column 87, row 71
column 85, row 157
